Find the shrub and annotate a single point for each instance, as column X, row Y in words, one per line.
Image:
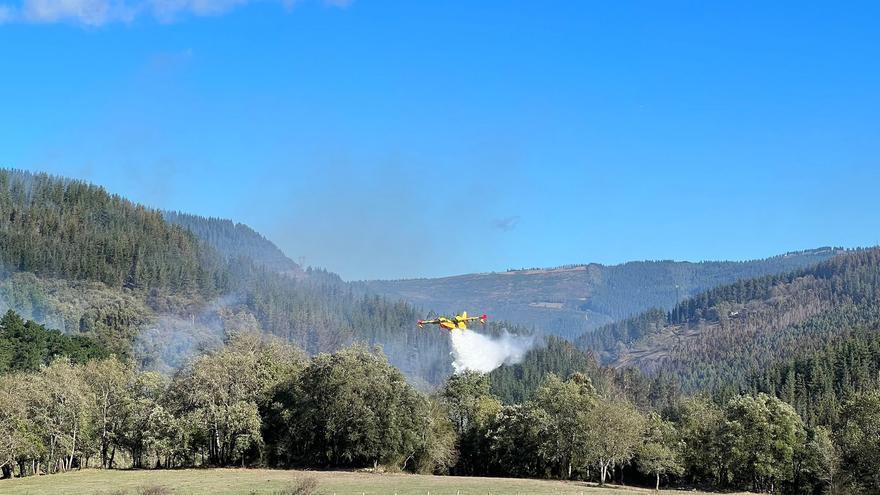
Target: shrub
column 302, row 486
column 154, row 490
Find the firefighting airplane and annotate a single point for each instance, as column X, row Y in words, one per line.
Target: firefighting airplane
column 457, row 321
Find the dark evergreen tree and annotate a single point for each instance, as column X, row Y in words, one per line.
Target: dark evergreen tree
column 27, row 345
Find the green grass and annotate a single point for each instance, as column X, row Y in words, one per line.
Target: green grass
column 264, row 481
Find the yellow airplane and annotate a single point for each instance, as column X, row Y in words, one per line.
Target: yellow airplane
column 457, row 321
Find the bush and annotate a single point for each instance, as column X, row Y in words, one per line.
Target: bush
column 154, row 490
column 302, row 486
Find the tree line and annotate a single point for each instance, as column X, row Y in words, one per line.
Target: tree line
column 252, row 402
column 26, row 346
column 569, row 429
column 258, row 402
column 832, row 391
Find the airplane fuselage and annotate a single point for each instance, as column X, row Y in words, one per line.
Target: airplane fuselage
column 457, row 321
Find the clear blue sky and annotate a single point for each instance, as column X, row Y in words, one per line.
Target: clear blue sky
column 408, row 138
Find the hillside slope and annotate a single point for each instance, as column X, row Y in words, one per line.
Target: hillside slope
column 515, row 383
column 69, row 229
column 721, row 335
column 568, row 301
column 818, row 384
column 235, row 240
column 87, row 262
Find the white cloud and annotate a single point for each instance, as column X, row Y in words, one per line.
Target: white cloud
column 168, row 10
column 101, row 12
column 7, row 14
column 88, row 12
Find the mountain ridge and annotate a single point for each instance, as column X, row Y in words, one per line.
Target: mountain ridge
column 583, row 266
column 720, row 334
column 235, row 239
column 568, row 300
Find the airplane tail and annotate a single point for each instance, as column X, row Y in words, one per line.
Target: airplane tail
column 464, row 315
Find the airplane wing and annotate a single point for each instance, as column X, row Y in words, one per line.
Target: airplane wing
column 421, row 323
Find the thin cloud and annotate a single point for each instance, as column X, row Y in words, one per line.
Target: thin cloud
column 506, row 224
column 97, row 13
column 6, row 14
column 169, row 10
column 168, row 61
column 87, row 12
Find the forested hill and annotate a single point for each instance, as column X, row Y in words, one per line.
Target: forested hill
column 69, row 229
column 570, row 300
column 235, row 240
column 723, row 334
column 90, row 263
column 517, row 383
column 818, row 384
column 238, row 242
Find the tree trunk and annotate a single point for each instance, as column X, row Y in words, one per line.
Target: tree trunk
column 658, row 482
column 51, row 454
column 216, row 445
column 105, row 455
column 72, row 450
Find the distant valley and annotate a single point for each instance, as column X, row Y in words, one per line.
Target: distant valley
column 570, row 300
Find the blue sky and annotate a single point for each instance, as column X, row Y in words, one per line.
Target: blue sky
column 386, row 139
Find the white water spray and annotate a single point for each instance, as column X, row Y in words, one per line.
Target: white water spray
column 472, row 351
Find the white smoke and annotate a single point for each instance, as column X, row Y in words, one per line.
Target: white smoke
column 172, row 339
column 472, row 351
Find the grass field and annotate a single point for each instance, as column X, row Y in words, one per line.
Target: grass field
column 264, row 481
